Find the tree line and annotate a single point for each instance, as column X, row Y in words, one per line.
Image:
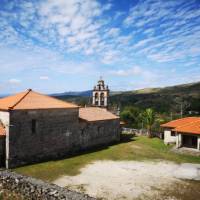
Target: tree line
column 148, row 119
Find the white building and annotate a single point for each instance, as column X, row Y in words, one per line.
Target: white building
column 183, row 132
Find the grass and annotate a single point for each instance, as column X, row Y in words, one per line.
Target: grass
column 187, row 190
column 130, row 148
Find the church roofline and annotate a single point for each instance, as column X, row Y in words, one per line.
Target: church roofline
column 96, row 90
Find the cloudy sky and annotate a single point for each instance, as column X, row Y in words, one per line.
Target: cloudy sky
column 66, row 45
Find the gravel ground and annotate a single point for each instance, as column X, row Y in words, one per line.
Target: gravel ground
column 133, row 179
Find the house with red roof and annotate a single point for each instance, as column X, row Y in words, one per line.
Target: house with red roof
column 184, row 132
column 36, row 127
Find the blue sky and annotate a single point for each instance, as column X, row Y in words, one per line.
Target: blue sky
column 66, row 45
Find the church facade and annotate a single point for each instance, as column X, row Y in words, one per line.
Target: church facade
column 35, row 127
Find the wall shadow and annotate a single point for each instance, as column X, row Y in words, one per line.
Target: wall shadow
column 127, row 137
column 124, row 138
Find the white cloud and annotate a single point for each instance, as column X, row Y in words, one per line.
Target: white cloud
column 14, row 81
column 114, row 32
column 44, row 78
column 111, row 57
column 75, row 36
column 107, row 6
column 135, row 70
column 176, row 36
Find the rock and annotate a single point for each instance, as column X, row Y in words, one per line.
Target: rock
column 31, row 188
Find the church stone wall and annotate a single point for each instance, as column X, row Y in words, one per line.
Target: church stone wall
column 99, row 133
column 56, row 135
column 59, row 133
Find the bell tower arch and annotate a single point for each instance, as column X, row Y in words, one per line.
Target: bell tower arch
column 100, row 94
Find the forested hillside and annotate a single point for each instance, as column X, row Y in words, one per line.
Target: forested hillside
column 169, row 99
column 163, row 100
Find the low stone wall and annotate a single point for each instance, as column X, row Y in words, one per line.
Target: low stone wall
column 139, row 132
column 30, row 188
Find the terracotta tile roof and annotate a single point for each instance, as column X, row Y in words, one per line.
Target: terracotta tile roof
column 190, row 128
column 2, row 130
column 32, row 100
column 92, row 114
column 180, row 122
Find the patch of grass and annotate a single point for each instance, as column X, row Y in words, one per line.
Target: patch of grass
column 130, row 148
column 185, row 190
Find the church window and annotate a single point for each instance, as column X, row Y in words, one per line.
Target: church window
column 96, row 98
column 102, row 98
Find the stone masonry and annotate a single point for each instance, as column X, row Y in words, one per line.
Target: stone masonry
column 34, row 189
column 56, row 135
column 99, row 133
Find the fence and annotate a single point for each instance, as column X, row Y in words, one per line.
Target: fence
column 141, row 132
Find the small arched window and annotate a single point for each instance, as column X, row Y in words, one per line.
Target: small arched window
column 96, row 98
column 102, row 98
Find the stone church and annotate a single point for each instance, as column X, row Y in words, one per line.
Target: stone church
column 35, row 127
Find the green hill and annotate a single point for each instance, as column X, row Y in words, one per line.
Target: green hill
column 165, row 99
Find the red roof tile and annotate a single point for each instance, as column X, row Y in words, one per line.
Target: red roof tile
column 92, row 114
column 180, row 122
column 32, row 100
column 190, row 128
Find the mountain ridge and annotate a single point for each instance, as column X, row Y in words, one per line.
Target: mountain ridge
column 165, row 99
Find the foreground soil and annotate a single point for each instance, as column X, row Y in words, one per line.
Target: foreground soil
column 136, row 180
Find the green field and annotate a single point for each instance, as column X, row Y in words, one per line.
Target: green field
column 130, row 148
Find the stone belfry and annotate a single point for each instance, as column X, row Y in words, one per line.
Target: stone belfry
column 100, row 94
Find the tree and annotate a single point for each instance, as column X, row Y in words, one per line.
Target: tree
column 149, row 120
column 130, row 115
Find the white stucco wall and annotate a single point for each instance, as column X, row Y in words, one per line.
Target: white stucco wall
column 168, row 138
column 5, row 118
column 178, row 140
column 99, row 97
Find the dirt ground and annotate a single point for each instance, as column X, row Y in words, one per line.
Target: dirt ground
column 136, row 180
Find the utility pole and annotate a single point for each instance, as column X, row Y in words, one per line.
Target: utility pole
column 181, row 109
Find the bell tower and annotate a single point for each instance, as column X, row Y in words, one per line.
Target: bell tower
column 100, row 94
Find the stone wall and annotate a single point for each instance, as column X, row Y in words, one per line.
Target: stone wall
column 99, row 133
column 55, row 136
column 58, row 133
column 34, row 189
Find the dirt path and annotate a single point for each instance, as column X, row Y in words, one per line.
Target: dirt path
column 129, row 179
